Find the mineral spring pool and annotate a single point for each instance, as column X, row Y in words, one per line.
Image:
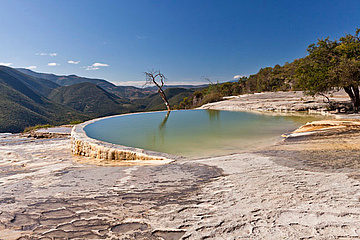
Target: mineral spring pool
column 194, row 133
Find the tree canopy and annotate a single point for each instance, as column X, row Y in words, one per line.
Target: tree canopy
column 332, row 65
column 329, row 66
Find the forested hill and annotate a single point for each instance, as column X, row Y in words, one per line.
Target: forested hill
column 67, row 80
column 39, row 85
column 21, row 106
column 29, row 100
column 277, row 78
column 90, row 99
column 329, row 66
column 39, row 98
column 129, row 92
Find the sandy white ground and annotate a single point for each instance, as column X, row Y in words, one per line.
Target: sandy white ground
column 303, row 189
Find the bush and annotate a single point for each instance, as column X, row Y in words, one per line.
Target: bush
column 76, row 122
column 31, row 128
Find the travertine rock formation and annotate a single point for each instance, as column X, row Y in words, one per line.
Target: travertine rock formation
column 82, row 145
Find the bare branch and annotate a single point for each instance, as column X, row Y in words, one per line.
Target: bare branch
column 152, row 77
column 208, row 80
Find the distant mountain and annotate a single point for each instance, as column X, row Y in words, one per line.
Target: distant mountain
column 154, row 102
column 154, row 88
column 67, row 80
column 39, row 85
column 28, row 98
column 128, row 92
column 21, row 106
column 90, row 99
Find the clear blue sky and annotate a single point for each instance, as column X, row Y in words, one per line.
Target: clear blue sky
column 119, row 40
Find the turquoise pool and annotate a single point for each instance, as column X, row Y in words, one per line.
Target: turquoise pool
column 194, row 133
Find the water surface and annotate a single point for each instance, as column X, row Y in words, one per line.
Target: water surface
column 194, row 133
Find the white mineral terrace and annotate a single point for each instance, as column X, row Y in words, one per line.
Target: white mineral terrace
column 302, row 188
column 83, row 145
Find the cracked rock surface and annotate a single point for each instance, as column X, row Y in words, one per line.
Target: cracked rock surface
column 279, row 102
column 46, row 193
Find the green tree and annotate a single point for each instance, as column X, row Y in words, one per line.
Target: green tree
column 332, row 65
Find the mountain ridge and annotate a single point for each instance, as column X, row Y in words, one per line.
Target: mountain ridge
column 39, row 85
column 21, row 107
column 129, row 92
column 66, row 80
column 30, row 100
column 89, row 99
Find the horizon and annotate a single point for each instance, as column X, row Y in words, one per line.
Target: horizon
column 118, row 41
column 135, row 84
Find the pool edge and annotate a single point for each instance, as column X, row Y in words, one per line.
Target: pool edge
column 82, row 145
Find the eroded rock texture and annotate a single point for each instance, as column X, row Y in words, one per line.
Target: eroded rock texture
column 46, row 193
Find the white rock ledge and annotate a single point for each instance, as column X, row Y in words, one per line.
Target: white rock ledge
column 83, row 145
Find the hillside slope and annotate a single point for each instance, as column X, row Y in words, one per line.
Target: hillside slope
column 28, row 100
column 38, row 85
column 128, row 92
column 67, row 80
column 154, row 102
column 90, row 99
column 21, row 107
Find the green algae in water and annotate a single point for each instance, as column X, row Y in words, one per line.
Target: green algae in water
column 194, row 133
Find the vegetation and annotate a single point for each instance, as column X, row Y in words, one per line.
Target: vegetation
column 155, row 103
column 331, row 65
column 32, row 99
column 67, row 80
column 21, row 107
column 76, row 122
column 278, row 78
column 214, row 92
column 90, row 99
column 27, row 101
column 38, row 85
column 28, row 129
column 127, row 92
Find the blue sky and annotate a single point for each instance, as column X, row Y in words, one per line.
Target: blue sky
column 119, row 40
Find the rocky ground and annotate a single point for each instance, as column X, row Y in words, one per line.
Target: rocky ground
column 302, row 188
column 281, row 102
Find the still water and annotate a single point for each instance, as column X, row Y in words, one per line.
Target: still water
column 194, row 133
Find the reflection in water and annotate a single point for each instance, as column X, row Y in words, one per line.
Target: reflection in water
column 162, row 127
column 152, row 136
column 193, row 132
column 214, row 121
column 214, row 115
column 163, row 123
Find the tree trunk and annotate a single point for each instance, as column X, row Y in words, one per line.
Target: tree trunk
column 163, row 96
column 151, row 78
column 353, row 92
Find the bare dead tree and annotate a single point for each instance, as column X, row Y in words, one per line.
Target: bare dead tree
column 214, row 86
column 208, row 80
column 157, row 78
